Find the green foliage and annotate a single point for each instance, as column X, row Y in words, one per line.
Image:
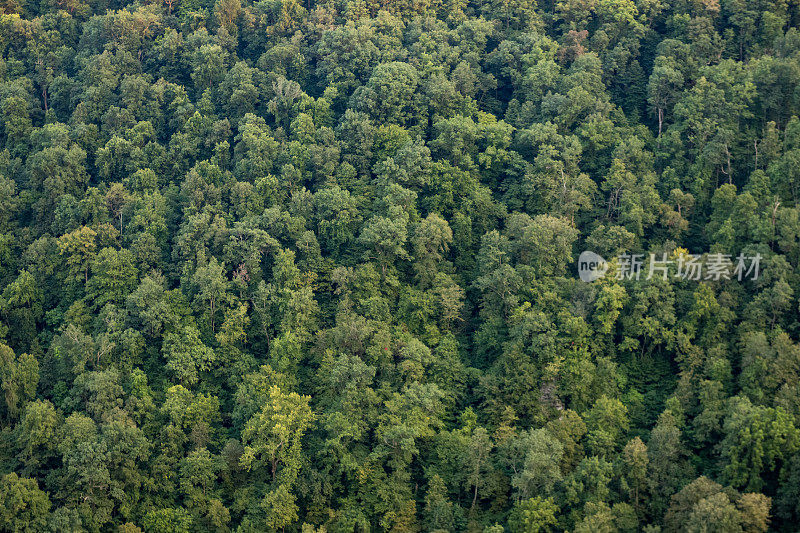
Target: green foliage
column 24, row 506
column 534, row 515
column 310, row 266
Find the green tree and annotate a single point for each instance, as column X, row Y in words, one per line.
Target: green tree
column 19, row 376
column 212, row 285
column 273, row 436
column 21, row 305
column 536, row 465
column 114, row 276
column 757, row 440
column 79, row 248
column 606, row 423
column 186, row 355
column 534, row 515
column 24, row 506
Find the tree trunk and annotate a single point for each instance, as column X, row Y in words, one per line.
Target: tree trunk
column 660, row 124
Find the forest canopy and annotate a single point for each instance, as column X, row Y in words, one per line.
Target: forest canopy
column 311, row 266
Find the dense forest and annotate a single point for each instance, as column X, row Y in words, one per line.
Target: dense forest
column 311, row 266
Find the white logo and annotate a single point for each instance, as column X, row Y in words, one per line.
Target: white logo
column 707, row 267
column 591, row 266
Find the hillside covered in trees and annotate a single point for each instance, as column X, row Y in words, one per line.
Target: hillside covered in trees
column 311, row 266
